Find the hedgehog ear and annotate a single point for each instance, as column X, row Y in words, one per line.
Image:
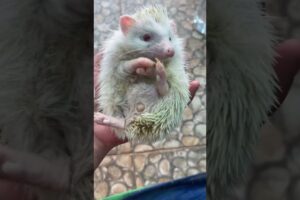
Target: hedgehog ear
column 173, row 26
column 126, row 22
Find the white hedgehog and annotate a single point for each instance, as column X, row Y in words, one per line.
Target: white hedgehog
column 152, row 107
column 241, row 86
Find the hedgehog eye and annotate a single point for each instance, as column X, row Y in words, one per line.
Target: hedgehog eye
column 147, row 37
column 170, row 39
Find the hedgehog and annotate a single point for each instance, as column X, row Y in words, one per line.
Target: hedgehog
column 148, row 108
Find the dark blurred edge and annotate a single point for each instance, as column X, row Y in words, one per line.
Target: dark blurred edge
column 47, row 56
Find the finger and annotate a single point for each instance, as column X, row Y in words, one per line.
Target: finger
column 149, row 72
column 161, row 80
column 103, row 119
column 114, row 122
column 132, row 65
column 194, row 85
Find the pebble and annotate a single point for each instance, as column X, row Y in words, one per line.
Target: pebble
column 164, row 179
column 101, row 190
column 150, row 171
column 106, row 161
column 195, row 104
column 178, row 173
column 154, row 158
column 200, row 130
column 180, row 163
column 190, row 140
column 143, row 148
column 187, row 114
column 199, row 71
column 128, row 178
column 139, row 182
column 114, row 172
column 192, row 171
column 164, row 167
column 171, row 144
column 118, row 188
column 187, row 128
column 139, row 162
column 124, row 161
column 124, row 148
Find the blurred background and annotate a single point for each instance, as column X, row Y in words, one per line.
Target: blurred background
column 183, row 152
column 276, row 171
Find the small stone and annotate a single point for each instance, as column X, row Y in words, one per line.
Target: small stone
column 139, row 162
column 114, row 172
column 101, row 190
column 139, row 182
column 179, row 163
column 190, row 140
column 104, row 173
column 118, row 188
column 187, row 114
column 172, row 144
column 191, row 163
column 106, row 161
column 187, row 128
column 193, row 155
column 177, row 173
column 128, row 178
column 164, row 179
column 124, row 161
column 124, row 148
column 164, row 167
column 187, row 25
column 154, row 158
column 202, row 165
column 192, row 171
column 150, row 171
column 97, row 174
column 106, row 12
column 200, row 130
column 198, row 71
column 196, row 104
column 142, row 148
column 149, row 182
column 193, row 43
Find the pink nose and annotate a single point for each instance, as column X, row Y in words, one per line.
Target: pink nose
column 170, row 52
